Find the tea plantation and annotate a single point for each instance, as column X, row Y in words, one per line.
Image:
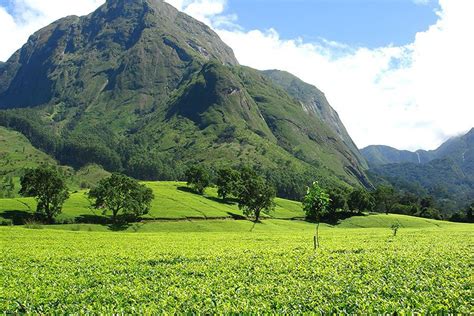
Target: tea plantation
column 192, row 254
column 224, row 266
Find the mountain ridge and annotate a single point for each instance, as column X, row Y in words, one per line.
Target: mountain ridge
column 139, row 87
column 448, row 175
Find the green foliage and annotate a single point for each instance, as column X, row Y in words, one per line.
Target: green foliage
column 337, row 201
column 48, row 187
column 121, row 194
column 255, row 194
column 180, row 268
column 316, row 202
column 199, row 178
column 360, row 200
column 227, row 182
column 395, row 227
column 385, row 198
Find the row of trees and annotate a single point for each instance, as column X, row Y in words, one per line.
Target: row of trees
column 253, row 193
column 118, row 194
column 126, row 198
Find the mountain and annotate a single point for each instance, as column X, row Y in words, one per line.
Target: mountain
column 455, row 148
column 378, row 155
column 314, row 103
column 139, row 87
column 447, row 173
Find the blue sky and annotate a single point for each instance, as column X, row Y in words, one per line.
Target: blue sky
column 369, row 23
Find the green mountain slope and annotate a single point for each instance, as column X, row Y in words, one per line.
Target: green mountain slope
column 141, row 88
column 448, row 175
column 455, row 148
column 17, row 154
column 314, row 103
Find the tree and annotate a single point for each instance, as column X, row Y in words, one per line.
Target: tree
column 121, row 194
column 385, row 198
column 360, row 200
column 198, row 178
column 255, row 195
column 469, row 213
column 48, row 187
column 227, row 182
column 338, row 201
column 315, row 205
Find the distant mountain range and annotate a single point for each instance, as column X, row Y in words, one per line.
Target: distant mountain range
column 447, row 172
column 139, row 87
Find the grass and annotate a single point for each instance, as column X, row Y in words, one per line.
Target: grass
column 225, row 266
column 173, row 200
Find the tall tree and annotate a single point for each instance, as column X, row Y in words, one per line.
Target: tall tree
column 385, row 198
column 227, row 182
column 360, row 200
column 255, row 195
column 121, row 194
column 48, row 187
column 198, row 178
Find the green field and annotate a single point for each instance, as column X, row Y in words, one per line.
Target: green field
column 222, row 266
column 173, row 200
column 191, row 255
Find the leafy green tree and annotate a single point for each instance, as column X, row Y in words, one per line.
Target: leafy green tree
column 427, row 202
column 121, row 194
column 316, row 206
column 198, row 178
column 255, row 195
column 316, row 202
column 227, row 182
column 469, row 213
column 360, row 200
column 48, row 187
column 338, row 201
column 385, row 198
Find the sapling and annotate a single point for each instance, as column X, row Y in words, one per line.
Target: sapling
column 395, row 227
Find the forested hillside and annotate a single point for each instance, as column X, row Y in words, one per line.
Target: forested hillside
column 448, row 173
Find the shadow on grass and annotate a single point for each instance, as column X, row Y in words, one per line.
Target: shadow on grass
column 92, row 219
column 123, row 222
column 17, row 217
column 336, row 219
column 227, row 201
column 237, row 216
column 187, row 190
column 119, row 226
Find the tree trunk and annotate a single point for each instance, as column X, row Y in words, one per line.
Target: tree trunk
column 316, row 238
column 257, row 216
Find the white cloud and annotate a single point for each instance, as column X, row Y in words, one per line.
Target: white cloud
column 408, row 97
column 30, row 15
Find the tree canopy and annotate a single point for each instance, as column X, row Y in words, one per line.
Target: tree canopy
column 121, row 194
column 255, row 194
column 316, row 202
column 227, row 182
column 48, row 187
column 198, row 178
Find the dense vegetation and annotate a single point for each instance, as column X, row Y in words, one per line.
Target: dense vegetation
column 180, row 268
column 446, row 174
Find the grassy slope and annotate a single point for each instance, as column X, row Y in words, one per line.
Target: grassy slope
column 18, row 154
column 172, row 201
